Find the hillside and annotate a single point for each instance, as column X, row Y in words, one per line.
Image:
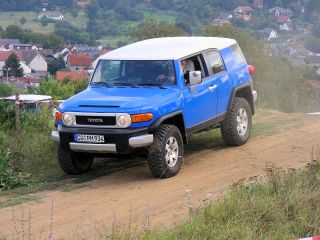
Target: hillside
column 113, row 22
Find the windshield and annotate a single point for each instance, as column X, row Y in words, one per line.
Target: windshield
column 134, row 73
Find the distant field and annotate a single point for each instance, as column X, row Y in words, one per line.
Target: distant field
column 113, row 40
column 165, row 16
column 9, row 18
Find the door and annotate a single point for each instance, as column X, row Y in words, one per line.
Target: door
column 220, row 79
column 200, row 99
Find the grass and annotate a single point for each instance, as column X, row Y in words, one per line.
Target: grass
column 18, row 201
column 80, row 22
column 10, row 18
column 282, row 205
column 161, row 16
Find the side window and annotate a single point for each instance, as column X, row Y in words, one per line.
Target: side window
column 194, row 63
column 215, row 61
column 238, row 54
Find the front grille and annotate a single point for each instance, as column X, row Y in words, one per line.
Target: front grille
column 96, row 120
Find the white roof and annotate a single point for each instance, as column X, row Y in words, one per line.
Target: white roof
column 167, row 48
column 29, row 97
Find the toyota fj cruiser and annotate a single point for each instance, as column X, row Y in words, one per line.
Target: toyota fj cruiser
column 148, row 97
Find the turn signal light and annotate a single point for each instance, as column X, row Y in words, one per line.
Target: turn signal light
column 58, row 115
column 145, row 117
column 251, row 69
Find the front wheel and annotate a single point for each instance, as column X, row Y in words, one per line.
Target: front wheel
column 73, row 163
column 165, row 156
column 236, row 127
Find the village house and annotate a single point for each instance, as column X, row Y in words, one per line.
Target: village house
column 285, row 23
column 4, row 44
column 313, row 83
column 270, row 33
column 63, row 52
column 83, row 3
column 20, row 46
column 48, row 54
column 243, row 10
column 258, row 4
column 35, row 61
column 52, row 15
column 278, row 11
column 5, row 55
column 314, row 62
column 224, row 18
column 79, row 62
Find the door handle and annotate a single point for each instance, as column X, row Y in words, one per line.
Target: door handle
column 213, row 87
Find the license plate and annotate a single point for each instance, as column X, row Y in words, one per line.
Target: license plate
column 89, row 138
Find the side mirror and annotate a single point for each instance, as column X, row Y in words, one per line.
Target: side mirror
column 90, row 73
column 195, row 77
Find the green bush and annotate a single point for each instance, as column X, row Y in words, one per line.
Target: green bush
column 9, row 178
column 32, row 150
column 61, row 90
column 7, row 115
column 5, row 90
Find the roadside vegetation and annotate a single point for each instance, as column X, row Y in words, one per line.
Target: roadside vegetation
column 29, row 155
column 279, row 205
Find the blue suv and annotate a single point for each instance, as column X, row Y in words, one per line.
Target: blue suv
column 148, row 97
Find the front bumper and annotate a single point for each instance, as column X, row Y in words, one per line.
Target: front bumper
column 117, row 140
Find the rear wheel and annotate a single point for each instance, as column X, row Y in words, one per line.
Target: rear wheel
column 165, row 154
column 74, row 163
column 236, row 127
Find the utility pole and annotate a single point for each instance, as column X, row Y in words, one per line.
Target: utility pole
column 17, row 113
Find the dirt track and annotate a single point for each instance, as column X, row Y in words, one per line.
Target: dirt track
column 132, row 193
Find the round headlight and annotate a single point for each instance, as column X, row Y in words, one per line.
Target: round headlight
column 124, row 120
column 68, row 119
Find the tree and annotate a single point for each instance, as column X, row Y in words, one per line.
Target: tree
column 316, row 30
column 44, row 21
column 23, row 20
column 13, row 31
column 56, row 65
column 13, row 65
column 153, row 29
column 313, row 44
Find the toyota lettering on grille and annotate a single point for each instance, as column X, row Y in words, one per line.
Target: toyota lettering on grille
column 95, row 120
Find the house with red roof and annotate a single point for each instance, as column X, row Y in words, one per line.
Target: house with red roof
column 61, row 75
column 79, row 62
column 6, row 54
column 243, row 10
column 278, row 11
column 313, row 83
column 258, row 4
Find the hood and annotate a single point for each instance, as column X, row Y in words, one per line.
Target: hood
column 120, row 99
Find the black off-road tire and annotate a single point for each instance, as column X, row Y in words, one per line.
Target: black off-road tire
column 157, row 152
column 229, row 125
column 73, row 163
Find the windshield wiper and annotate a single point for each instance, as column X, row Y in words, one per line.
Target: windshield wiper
column 103, row 84
column 125, row 84
column 152, row 85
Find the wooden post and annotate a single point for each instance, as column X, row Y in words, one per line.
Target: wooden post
column 17, row 113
